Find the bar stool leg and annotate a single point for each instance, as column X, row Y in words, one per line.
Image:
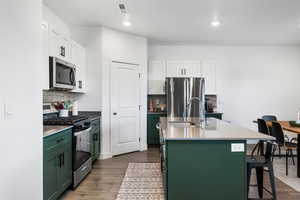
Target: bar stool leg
column 260, row 181
column 272, row 181
column 249, row 170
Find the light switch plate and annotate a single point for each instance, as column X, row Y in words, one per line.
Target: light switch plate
column 237, row 147
column 8, row 111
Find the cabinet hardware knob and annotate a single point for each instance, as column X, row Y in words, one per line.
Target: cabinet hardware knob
column 114, row 113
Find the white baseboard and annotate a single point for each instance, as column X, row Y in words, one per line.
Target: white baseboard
column 144, row 148
column 104, row 156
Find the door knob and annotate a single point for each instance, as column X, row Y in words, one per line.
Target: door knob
column 114, row 113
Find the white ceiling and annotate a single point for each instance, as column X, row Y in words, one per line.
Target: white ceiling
column 251, row 22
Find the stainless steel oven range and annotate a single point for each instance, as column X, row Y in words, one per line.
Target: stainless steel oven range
column 81, row 152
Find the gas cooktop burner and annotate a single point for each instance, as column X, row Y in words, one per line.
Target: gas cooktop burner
column 64, row 120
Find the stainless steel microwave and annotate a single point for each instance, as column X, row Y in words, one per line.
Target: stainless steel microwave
column 62, row 74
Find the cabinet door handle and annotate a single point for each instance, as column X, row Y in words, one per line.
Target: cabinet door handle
column 63, row 159
column 63, row 51
column 60, row 140
column 184, row 71
column 95, row 136
column 59, row 158
column 181, row 71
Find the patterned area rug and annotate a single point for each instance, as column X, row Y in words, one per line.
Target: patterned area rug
column 142, row 181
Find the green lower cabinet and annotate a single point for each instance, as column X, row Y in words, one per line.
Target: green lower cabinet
column 57, row 169
column 51, row 182
column 152, row 131
column 95, row 139
column 205, row 170
column 65, row 172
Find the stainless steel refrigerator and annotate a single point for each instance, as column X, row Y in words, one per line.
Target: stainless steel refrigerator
column 185, row 97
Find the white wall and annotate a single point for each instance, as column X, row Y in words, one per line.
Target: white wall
column 251, row 80
column 104, row 45
column 91, row 39
column 20, row 89
column 50, row 17
column 119, row 46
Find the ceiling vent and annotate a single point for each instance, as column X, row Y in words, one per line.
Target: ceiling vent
column 122, row 6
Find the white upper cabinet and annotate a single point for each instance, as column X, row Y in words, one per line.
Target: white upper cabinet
column 45, row 55
column 192, row 68
column 184, row 69
column 79, row 60
column 156, row 77
column 60, row 45
column 209, row 73
column 175, row 68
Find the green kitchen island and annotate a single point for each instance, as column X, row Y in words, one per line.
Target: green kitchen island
column 206, row 163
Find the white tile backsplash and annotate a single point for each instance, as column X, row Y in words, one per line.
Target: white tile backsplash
column 54, row 96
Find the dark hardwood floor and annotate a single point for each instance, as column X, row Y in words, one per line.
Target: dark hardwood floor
column 105, row 179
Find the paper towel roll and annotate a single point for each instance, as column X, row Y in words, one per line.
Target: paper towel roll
column 75, row 108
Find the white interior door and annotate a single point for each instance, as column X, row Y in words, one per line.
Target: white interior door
column 125, row 117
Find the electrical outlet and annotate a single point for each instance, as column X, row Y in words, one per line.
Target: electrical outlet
column 237, row 147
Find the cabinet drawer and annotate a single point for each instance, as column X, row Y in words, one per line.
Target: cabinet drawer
column 58, row 139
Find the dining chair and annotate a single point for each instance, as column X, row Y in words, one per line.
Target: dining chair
column 260, row 163
column 288, row 146
column 269, row 117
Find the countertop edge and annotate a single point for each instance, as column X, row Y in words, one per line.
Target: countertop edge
column 57, row 131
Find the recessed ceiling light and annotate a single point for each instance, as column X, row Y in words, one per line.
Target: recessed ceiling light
column 126, row 23
column 215, row 23
column 126, row 20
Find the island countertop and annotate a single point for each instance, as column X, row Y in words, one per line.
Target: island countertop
column 214, row 129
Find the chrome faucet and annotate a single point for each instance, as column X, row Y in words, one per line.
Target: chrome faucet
column 187, row 109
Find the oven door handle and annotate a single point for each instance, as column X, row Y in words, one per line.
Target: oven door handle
column 95, row 136
column 80, row 132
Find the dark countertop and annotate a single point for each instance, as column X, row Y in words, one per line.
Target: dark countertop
column 214, row 113
column 92, row 115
